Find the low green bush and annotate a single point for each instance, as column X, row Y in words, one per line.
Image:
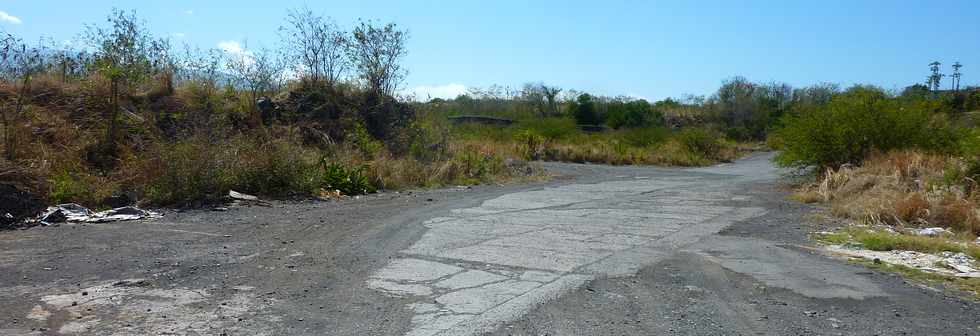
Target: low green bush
column 853, row 125
column 529, row 144
column 551, row 129
column 701, row 141
column 350, row 181
column 645, row 136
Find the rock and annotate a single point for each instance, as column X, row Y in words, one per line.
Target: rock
column 932, row 232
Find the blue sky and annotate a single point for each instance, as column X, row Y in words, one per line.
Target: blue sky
column 648, row 49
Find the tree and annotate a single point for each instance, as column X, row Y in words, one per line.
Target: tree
column 585, row 110
column 541, row 98
column 260, row 72
column 631, row 113
column 318, row 44
column 376, row 53
column 935, row 78
column 125, row 54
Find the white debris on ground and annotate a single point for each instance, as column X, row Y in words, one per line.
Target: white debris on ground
column 72, row 212
column 945, row 263
column 932, row 232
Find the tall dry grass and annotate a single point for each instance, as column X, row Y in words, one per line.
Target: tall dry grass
column 905, row 188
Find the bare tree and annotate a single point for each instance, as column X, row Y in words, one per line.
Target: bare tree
column 376, row 52
column 260, row 72
column 202, row 66
column 318, row 44
column 533, row 96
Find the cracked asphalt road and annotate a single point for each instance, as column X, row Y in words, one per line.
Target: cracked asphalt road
column 599, row 251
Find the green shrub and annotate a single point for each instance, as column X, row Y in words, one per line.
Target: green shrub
column 276, row 167
column 67, row 188
column 584, row 110
column 550, row 128
column 854, row 124
column 348, row 181
column 470, row 165
column 645, row 136
column 701, row 141
column 198, row 170
column 359, row 137
column 636, row 113
column 185, row 173
column 529, row 144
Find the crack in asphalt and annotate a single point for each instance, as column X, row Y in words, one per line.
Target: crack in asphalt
column 522, row 249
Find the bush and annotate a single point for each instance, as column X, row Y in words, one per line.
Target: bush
column 701, row 141
column 637, row 113
column 645, row 137
column 529, row 144
column 550, row 128
column 198, row 170
column 347, row 181
column 853, row 125
column 584, row 110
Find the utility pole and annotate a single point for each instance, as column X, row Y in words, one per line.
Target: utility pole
column 935, row 78
column 956, row 76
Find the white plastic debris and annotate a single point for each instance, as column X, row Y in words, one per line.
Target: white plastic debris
column 932, row 232
column 241, row 196
column 72, row 212
column 246, row 198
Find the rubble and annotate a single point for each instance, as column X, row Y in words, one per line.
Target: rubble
column 932, row 232
column 71, row 212
column 945, row 263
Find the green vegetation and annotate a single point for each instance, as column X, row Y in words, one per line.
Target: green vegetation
column 877, row 240
column 968, row 285
column 857, row 122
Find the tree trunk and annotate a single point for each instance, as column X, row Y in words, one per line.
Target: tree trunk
column 113, row 116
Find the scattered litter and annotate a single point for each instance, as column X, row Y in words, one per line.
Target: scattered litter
column 945, row 263
column 932, row 232
column 72, row 212
column 241, row 196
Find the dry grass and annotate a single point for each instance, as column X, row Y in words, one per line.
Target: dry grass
column 903, row 189
column 200, row 152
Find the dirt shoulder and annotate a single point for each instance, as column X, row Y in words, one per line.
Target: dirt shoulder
column 291, row 268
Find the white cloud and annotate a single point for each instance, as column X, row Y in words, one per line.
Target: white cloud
column 9, row 18
column 180, row 35
column 448, row 91
column 233, row 47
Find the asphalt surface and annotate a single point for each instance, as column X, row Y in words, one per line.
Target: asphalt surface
column 597, row 251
